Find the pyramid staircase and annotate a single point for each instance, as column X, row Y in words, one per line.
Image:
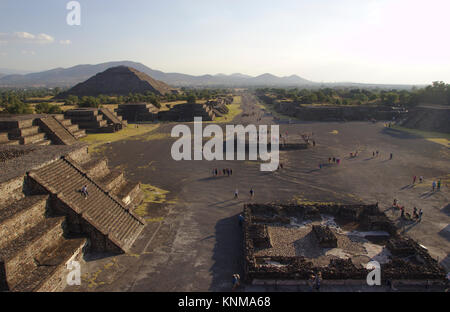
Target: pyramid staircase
column 56, row 131
column 109, row 222
column 33, row 248
column 113, row 119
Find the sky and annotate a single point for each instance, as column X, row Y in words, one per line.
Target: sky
column 368, row 41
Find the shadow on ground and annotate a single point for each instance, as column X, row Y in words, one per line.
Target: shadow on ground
column 227, row 253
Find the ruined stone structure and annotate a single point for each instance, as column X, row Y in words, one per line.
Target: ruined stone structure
column 95, row 120
column 219, row 105
column 335, row 113
column 135, row 112
column 45, row 219
column 408, row 263
column 38, row 130
column 186, row 113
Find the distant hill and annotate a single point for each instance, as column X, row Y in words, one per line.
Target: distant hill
column 119, row 80
column 67, row 77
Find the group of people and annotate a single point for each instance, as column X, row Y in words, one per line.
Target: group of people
column 225, row 172
column 417, row 214
column 236, row 193
column 436, row 186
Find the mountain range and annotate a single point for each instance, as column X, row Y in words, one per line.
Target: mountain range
column 68, row 77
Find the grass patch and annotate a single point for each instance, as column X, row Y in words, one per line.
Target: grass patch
column 97, row 140
column 152, row 195
column 436, row 137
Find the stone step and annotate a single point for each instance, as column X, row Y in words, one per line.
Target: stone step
column 34, row 138
column 24, row 132
column 50, row 273
column 77, row 119
column 4, row 137
column 91, row 124
column 66, row 122
column 80, row 133
column 56, row 131
column 20, row 216
column 81, row 112
column 59, row 117
column 72, row 128
column 97, row 167
column 17, row 257
column 128, row 192
column 43, row 142
column 12, row 142
column 114, row 179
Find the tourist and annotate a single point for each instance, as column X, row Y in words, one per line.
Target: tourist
column 373, row 154
column 420, row 179
column 415, row 215
column 420, row 215
column 84, row 191
column 439, row 185
column 391, row 156
column 236, row 281
column 317, row 281
column 414, row 179
column 241, row 219
column 223, row 171
column 236, row 194
column 402, row 209
column 433, row 185
column 231, row 172
column 377, row 152
column 252, row 193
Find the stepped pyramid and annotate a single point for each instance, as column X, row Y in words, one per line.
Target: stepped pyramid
column 45, row 221
column 95, row 119
column 120, row 80
column 39, row 129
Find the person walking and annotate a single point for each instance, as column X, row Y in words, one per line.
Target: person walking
column 236, row 194
column 252, row 193
column 84, row 191
column 420, row 215
column 420, row 179
column 391, row 156
column 439, row 185
column 236, row 281
column 434, row 185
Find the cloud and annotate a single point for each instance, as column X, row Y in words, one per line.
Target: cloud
column 65, row 42
column 28, row 52
column 25, row 37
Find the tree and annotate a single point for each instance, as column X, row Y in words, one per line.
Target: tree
column 191, row 99
column 47, row 108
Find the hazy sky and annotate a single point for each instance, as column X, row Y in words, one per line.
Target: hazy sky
column 379, row 41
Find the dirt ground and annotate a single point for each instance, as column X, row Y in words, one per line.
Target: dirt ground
column 193, row 241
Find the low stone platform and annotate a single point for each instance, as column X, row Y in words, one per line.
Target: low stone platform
column 303, row 243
